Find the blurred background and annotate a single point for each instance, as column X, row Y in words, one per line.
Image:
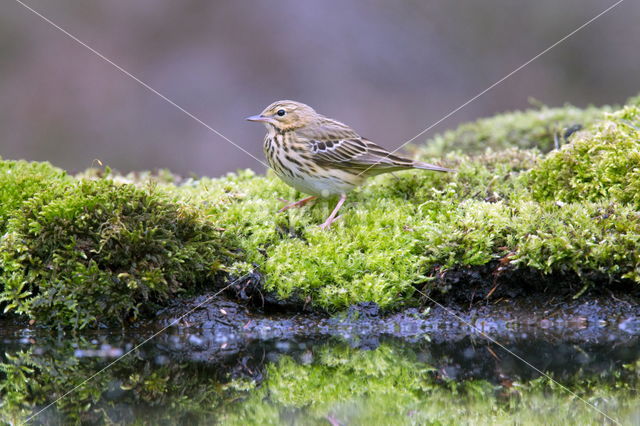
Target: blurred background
column 388, row 69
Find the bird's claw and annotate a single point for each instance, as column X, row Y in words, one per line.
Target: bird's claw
column 328, row 223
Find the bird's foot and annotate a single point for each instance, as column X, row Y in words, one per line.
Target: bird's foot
column 295, row 204
column 327, row 224
column 334, row 214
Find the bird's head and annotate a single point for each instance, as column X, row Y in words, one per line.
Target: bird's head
column 286, row 115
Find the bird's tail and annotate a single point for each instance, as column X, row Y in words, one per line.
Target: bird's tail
column 427, row 166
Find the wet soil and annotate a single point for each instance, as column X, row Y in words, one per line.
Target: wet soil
column 467, row 303
column 470, row 340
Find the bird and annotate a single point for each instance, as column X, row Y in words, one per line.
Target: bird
column 323, row 157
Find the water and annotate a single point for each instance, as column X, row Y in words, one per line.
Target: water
column 200, row 376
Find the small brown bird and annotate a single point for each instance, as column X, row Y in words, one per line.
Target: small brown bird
column 323, row 157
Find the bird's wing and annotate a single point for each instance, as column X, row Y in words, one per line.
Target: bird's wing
column 334, row 144
column 356, row 153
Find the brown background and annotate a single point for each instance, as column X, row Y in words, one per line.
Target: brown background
column 389, row 69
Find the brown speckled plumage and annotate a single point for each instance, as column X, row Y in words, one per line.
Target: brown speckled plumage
column 323, row 157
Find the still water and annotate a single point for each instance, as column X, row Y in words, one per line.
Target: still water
column 197, row 376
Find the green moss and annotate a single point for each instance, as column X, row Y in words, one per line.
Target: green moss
column 634, row 100
column 94, row 251
column 397, row 233
column 600, row 163
column 534, row 128
column 20, row 180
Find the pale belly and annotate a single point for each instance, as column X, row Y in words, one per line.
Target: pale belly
column 314, row 185
column 331, row 182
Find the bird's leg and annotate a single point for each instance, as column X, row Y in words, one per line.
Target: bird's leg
column 297, row 203
column 332, row 217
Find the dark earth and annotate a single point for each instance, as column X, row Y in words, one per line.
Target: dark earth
column 529, row 306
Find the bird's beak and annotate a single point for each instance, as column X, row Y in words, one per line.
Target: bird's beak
column 259, row 118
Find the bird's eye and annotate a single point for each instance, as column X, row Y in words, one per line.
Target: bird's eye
column 281, row 112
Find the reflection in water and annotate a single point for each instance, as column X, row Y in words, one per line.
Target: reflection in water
column 184, row 378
